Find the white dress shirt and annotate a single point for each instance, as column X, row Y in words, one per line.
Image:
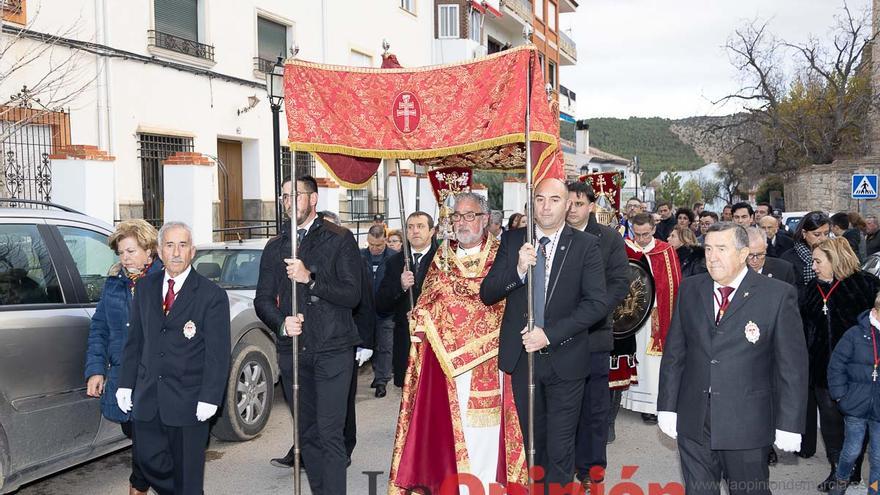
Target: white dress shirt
column 735, row 284
column 178, row 282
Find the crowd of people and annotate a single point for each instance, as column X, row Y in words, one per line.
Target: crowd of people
column 776, row 336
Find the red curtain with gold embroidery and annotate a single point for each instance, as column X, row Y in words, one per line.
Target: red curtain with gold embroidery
column 468, row 114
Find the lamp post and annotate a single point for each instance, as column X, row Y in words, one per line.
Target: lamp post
column 275, row 88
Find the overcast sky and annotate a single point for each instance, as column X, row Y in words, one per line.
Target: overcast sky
column 666, row 58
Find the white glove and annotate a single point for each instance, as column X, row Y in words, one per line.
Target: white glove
column 123, row 399
column 362, row 356
column 204, row 411
column 667, row 421
column 787, row 441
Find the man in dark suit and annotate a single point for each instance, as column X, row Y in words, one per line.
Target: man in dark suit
column 733, row 379
column 667, row 220
column 376, row 255
column 175, row 363
column 328, row 271
column 592, row 432
column 567, row 303
column 393, row 296
column 760, row 261
column 776, row 242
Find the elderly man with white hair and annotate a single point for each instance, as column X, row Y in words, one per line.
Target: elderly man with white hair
column 762, row 263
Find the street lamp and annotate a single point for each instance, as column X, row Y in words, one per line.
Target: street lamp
column 275, row 88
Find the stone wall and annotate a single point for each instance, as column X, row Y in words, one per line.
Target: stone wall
column 828, row 187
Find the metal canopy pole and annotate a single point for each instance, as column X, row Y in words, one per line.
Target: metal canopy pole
column 294, row 241
column 530, row 226
column 406, row 253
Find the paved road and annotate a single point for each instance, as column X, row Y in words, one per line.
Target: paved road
column 243, row 468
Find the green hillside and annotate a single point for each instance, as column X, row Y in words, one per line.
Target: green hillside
column 657, row 147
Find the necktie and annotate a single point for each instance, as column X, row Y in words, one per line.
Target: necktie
column 169, row 297
column 416, row 258
column 300, row 234
column 725, row 302
column 539, row 284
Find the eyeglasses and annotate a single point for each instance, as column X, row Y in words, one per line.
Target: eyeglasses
column 757, row 256
column 286, row 196
column 468, row 217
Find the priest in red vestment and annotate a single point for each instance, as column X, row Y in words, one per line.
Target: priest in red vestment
column 457, row 421
column 661, row 257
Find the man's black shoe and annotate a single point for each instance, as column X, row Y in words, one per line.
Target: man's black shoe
column 772, row 458
column 286, row 461
column 649, row 419
column 380, row 391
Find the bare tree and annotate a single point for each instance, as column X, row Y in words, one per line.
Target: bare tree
column 47, row 74
column 814, row 115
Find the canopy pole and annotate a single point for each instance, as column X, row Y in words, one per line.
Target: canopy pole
column 406, row 254
column 530, row 228
column 294, row 241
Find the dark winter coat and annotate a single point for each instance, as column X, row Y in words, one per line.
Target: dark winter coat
column 107, row 335
column 849, row 372
column 853, row 296
column 692, row 260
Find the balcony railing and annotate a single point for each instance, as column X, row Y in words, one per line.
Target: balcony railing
column 567, row 93
column 180, row 45
column 567, row 45
column 10, row 6
column 522, row 8
column 263, row 65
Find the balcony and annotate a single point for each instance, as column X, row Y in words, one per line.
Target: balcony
column 522, row 8
column 567, row 50
column 263, row 65
column 177, row 44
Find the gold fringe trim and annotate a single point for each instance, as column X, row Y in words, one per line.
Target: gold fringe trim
column 514, row 138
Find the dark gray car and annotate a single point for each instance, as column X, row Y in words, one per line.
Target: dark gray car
column 53, row 264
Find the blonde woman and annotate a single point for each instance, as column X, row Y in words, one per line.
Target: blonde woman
column 830, row 305
column 135, row 241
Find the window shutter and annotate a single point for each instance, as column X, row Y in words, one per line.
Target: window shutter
column 271, row 39
column 178, row 18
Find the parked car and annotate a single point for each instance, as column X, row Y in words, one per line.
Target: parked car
column 53, row 264
column 791, row 219
column 872, row 264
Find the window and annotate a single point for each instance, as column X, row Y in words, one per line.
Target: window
column 493, row 46
column 26, row 272
column 539, row 8
column 305, row 163
column 448, row 18
column 271, row 43
column 92, row 257
column 178, row 18
column 230, row 268
column 359, row 204
column 359, row 59
column 551, row 15
column 551, row 74
column 474, row 26
column 541, row 62
column 408, row 5
column 152, row 150
column 177, row 28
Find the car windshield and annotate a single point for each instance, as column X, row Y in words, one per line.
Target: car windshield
column 230, row 268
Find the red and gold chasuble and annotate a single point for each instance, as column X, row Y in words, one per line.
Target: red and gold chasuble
column 667, row 276
column 454, row 332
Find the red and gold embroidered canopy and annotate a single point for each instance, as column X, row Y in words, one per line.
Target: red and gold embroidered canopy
column 469, row 114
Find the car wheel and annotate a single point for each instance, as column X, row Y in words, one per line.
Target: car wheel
column 248, row 399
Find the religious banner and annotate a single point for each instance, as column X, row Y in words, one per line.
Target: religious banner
column 470, row 114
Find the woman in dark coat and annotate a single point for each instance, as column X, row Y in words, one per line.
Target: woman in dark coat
column 135, row 241
column 812, row 229
column 691, row 255
column 830, row 305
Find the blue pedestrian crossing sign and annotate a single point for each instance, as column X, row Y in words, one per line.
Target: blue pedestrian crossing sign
column 864, row 186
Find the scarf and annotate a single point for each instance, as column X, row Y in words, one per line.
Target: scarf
column 806, row 255
column 134, row 277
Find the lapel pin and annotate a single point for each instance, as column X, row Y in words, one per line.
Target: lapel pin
column 562, row 248
column 746, row 294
